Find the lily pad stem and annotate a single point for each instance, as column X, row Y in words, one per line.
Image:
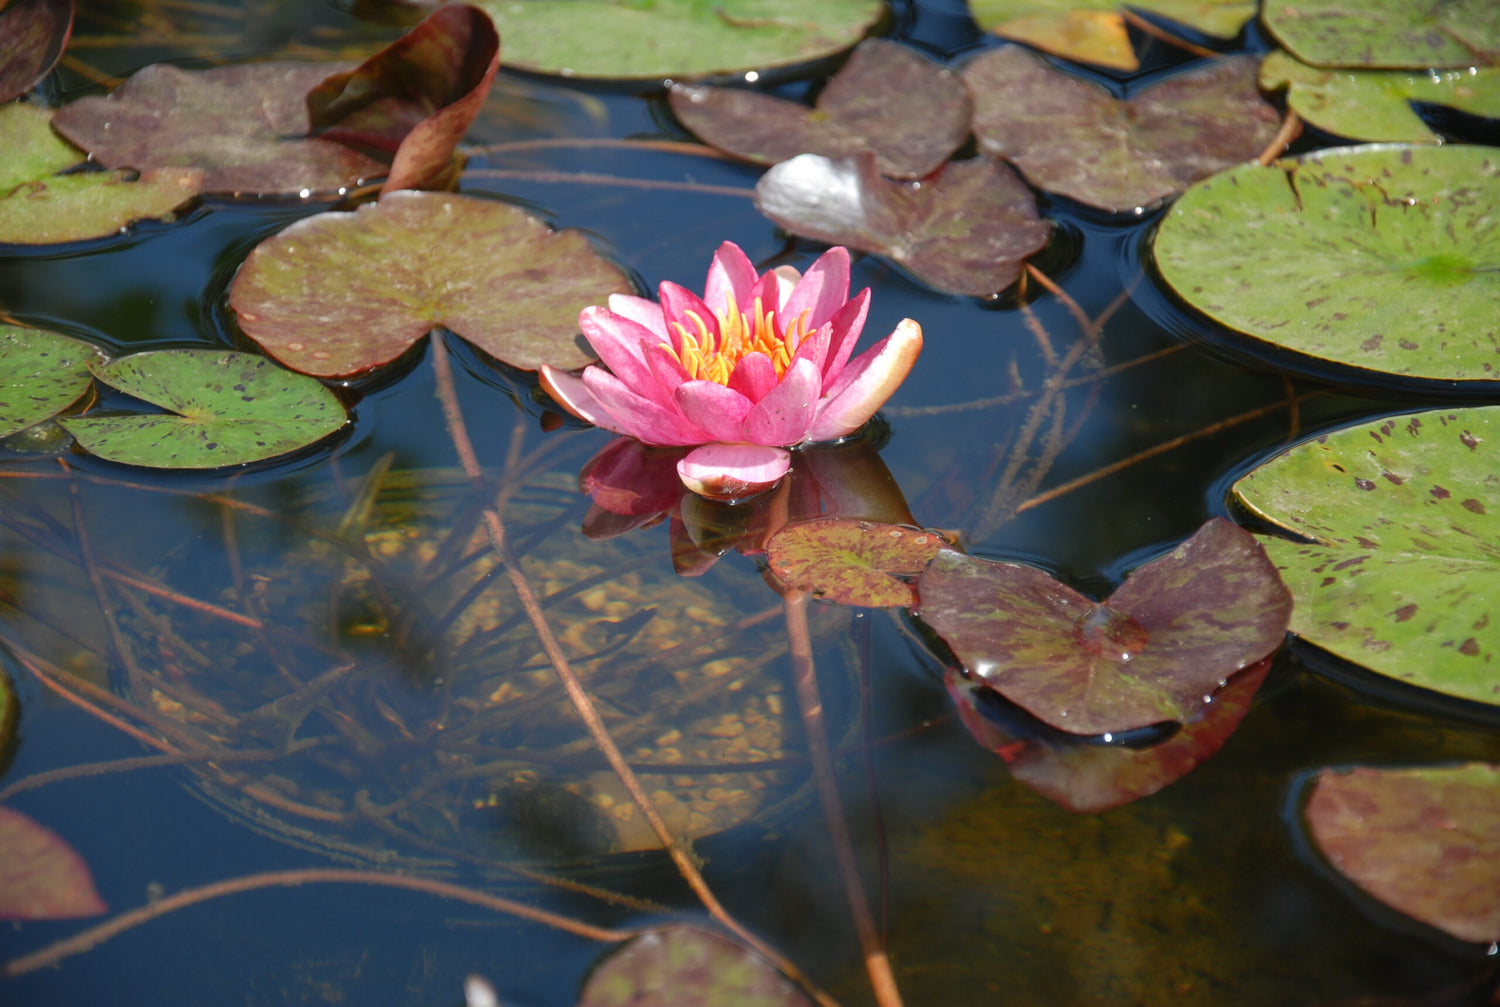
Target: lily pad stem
column 1291, row 128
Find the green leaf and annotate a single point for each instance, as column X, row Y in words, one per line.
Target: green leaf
column 1376, row 105
column 687, row 967
column 852, row 562
column 1093, row 31
column 1384, row 257
column 1426, row 842
column 41, row 374
column 674, row 38
column 228, row 409
column 33, row 34
column 41, row 876
column 340, row 293
column 1387, row 33
column 1071, row 136
column 1403, row 575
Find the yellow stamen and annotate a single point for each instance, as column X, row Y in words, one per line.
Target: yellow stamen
column 739, row 334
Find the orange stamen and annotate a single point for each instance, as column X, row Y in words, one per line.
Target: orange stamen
column 706, row 358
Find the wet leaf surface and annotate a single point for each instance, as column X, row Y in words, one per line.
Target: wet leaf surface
column 1093, row 31
column 33, row 34
column 41, row 374
column 1387, row 33
column 1404, row 572
column 1385, row 258
column 852, row 562
column 1156, row 650
column 1072, row 137
column 1426, row 842
column 906, row 109
column 687, row 967
column 1377, row 105
column 38, row 207
column 414, row 100
column 674, row 38
column 966, row 230
column 41, row 876
column 226, row 409
column 245, row 126
column 340, row 293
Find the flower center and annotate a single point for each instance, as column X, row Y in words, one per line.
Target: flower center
column 709, row 358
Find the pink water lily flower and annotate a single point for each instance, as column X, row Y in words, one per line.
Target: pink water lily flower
column 759, row 364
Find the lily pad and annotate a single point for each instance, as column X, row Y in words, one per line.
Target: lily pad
column 227, row 409
column 33, row 34
column 39, row 207
column 1381, row 257
column 1072, row 137
column 41, row 374
column 1403, row 573
column 1426, row 842
column 687, row 967
column 1093, row 31
column 1155, row 651
column 9, row 716
column 606, row 39
column 1376, row 105
column 244, row 126
column 1395, row 34
column 966, row 230
column 852, row 562
column 41, row 876
column 906, row 109
column 340, row 293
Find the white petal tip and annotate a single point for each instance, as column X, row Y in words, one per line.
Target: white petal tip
column 733, row 471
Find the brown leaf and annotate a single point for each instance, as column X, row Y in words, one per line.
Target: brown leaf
column 41, row 876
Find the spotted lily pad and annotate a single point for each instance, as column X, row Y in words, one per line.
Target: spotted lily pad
column 1387, row 33
column 966, row 230
column 340, row 293
column 1072, row 137
column 227, row 408
column 1403, row 573
column 41, row 374
column 1426, row 842
column 1382, row 257
column 687, row 967
column 40, row 207
column 41, row 876
column 852, row 562
column 674, row 38
column 888, row 99
column 1093, row 31
column 1154, row 651
column 33, row 34
column 1377, row 105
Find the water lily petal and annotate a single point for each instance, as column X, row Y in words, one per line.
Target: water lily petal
column 733, row 471
column 754, row 376
column 787, row 278
column 787, row 412
column 822, row 290
column 731, row 272
column 638, row 416
column 676, row 302
column 717, row 409
column 570, row 392
column 867, row 382
column 815, row 348
column 620, row 344
column 642, row 312
column 848, row 322
column 667, row 371
column 627, row 477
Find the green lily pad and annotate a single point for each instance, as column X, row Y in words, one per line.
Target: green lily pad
column 655, row 39
column 244, row 126
column 1403, row 574
column 1376, row 105
column 1383, row 257
column 1394, row 34
column 33, row 34
column 1093, row 31
column 41, row 876
column 687, row 967
column 1426, row 842
column 910, row 111
column 852, row 562
column 227, row 409
column 340, row 293
column 967, row 229
column 41, row 374
column 1072, row 137
column 39, row 207
column 1155, row 651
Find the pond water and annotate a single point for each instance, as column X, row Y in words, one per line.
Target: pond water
column 1205, row 893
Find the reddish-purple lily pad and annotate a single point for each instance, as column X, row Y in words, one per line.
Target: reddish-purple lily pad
column 687, row 967
column 1426, row 842
column 414, row 100
column 889, row 99
column 41, row 876
column 245, row 126
column 965, row 230
column 33, row 34
column 852, row 562
column 1072, row 137
column 340, row 293
column 1155, row 651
